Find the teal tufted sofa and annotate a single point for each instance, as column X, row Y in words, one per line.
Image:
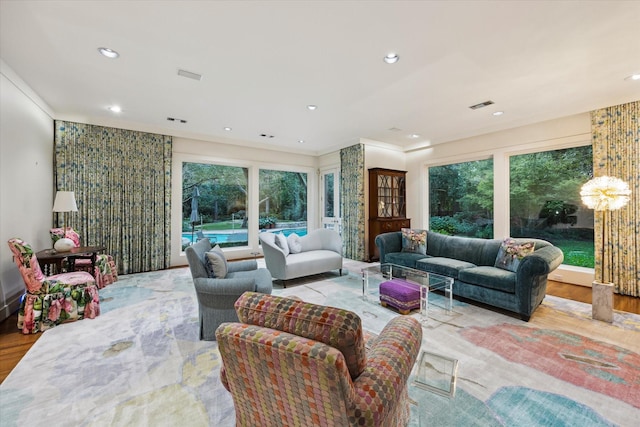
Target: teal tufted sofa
column 470, row 262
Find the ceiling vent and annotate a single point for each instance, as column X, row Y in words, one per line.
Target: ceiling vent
column 173, row 119
column 190, row 75
column 264, row 135
column 481, row 105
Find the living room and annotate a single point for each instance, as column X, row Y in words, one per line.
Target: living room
column 28, row 132
column 30, row 107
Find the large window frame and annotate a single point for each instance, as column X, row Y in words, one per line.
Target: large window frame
column 501, row 156
column 252, row 211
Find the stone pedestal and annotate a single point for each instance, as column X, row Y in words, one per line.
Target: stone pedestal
column 602, row 301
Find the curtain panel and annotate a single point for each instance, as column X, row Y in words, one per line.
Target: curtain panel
column 352, row 201
column 616, row 152
column 122, row 184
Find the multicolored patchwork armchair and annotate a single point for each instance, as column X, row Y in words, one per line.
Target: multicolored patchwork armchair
column 105, row 270
column 294, row 363
column 52, row 300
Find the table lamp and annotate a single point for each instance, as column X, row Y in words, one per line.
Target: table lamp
column 65, row 202
column 604, row 193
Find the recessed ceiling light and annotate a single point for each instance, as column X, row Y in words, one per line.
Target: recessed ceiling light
column 109, row 53
column 301, row 141
column 228, row 129
column 633, row 77
column 498, row 113
column 414, row 136
column 115, row 109
column 391, row 58
column 312, row 107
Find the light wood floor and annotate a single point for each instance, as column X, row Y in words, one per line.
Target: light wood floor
column 14, row 345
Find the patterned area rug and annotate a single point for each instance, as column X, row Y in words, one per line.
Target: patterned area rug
column 141, row 363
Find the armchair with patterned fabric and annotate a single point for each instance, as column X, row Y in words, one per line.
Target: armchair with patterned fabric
column 294, row 363
column 49, row 301
column 105, row 271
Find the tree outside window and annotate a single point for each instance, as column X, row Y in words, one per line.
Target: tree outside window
column 461, row 199
column 221, row 205
column 545, row 200
column 282, row 200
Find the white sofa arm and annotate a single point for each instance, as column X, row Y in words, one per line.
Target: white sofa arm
column 274, row 257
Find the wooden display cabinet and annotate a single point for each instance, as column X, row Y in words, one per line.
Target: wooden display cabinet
column 387, row 205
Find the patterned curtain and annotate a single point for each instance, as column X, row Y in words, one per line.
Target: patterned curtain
column 616, row 152
column 352, row 201
column 122, row 185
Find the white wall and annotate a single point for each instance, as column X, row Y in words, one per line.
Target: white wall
column 26, row 173
column 572, row 131
column 190, row 150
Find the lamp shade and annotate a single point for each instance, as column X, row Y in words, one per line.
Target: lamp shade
column 65, row 202
column 605, row 193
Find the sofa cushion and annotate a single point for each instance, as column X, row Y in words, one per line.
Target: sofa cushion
column 445, row 266
column 407, row 259
column 490, row 277
column 414, row 240
column 295, row 247
column 281, row 242
column 511, row 252
column 341, row 329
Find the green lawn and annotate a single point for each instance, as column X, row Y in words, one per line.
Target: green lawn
column 578, row 253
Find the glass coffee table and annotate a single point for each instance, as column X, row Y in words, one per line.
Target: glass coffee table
column 373, row 276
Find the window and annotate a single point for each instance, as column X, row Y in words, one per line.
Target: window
column 214, row 204
column 545, row 201
column 461, row 199
column 283, row 201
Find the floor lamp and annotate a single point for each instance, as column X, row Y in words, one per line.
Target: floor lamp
column 601, row 194
column 65, row 202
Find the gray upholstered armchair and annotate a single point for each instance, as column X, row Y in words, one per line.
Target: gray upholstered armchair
column 216, row 296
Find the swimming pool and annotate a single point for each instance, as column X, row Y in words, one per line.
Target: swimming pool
column 226, row 236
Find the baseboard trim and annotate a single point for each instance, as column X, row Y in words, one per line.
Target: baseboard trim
column 10, row 308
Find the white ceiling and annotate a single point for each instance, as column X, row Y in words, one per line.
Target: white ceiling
column 263, row 62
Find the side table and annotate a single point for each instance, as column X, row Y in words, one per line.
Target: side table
column 51, row 260
column 433, row 389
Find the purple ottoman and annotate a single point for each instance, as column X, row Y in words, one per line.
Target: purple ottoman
column 400, row 294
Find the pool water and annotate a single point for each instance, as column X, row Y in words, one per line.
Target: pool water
column 238, row 235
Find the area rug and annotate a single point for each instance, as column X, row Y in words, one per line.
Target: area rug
column 140, row 363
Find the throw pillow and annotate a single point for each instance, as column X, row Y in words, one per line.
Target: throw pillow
column 281, row 242
column 295, row 247
column 217, row 262
column 414, row 240
column 511, row 252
